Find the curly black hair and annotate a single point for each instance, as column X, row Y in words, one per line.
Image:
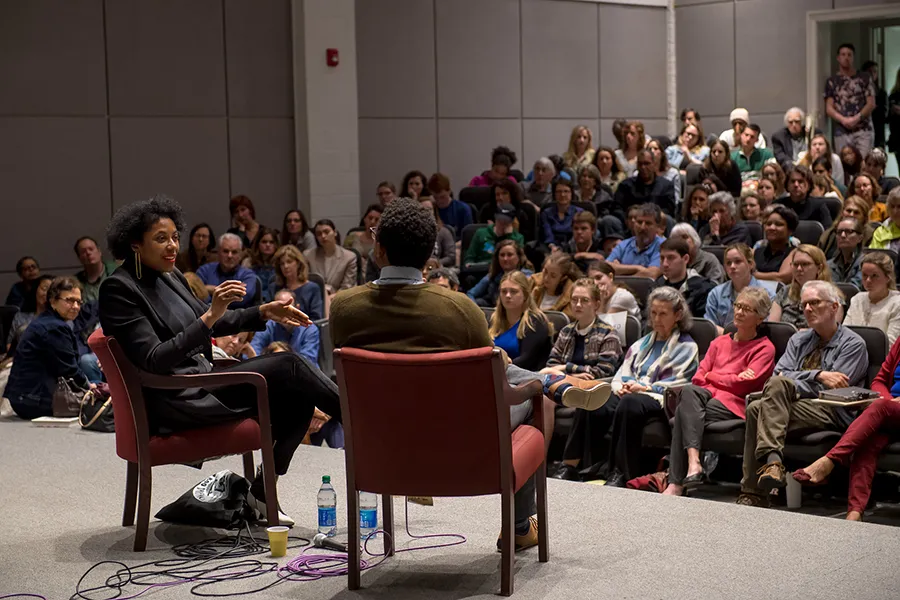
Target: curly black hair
column 407, row 232
column 502, row 155
column 131, row 222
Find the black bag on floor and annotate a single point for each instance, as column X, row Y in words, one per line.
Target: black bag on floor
column 96, row 411
column 220, row 501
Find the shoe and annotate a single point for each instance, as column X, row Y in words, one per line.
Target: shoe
column 757, row 500
column 525, row 541
column 422, row 500
column 566, row 473
column 581, row 393
column 616, row 479
column 260, row 507
column 771, row 476
column 693, row 481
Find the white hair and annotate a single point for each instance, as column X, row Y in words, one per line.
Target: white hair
column 677, row 302
column 688, row 230
column 724, row 198
column 826, row 289
column 225, row 237
column 794, row 109
column 546, row 164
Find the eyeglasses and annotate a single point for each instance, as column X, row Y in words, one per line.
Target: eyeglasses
column 847, row 232
column 794, row 121
column 813, row 304
column 744, row 308
column 73, row 301
column 803, row 265
column 580, row 301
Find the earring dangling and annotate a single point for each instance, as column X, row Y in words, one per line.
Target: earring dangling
column 137, row 264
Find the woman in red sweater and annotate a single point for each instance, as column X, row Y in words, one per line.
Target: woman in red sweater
column 864, row 439
column 735, row 365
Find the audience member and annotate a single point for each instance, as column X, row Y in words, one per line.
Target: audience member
column 825, row 356
column 820, row 148
column 666, row 357
column 610, row 173
column 750, row 209
column 705, row 263
column 236, row 346
column 880, row 113
column 413, row 185
column 47, row 351
column 695, row 209
column 292, row 274
column 507, row 257
column 539, row 189
column 879, row 305
column 823, row 187
column 386, row 192
column 22, row 293
column 444, row 278
column 200, row 248
column 364, row 240
column 823, row 166
column 664, row 169
column 553, row 285
column 739, row 265
column 444, row 246
column 431, row 265
column 261, row 260
column 484, row 242
column 849, row 101
column 197, row 287
column 852, row 162
column 646, row 187
column 736, row 364
column 613, row 297
column 675, row 256
column 689, row 149
column 302, row 340
column 295, row 230
column 453, row 212
column 774, row 173
column 632, row 142
column 243, row 220
column 590, row 186
column 518, row 326
column 228, row 268
column 581, row 148
column 846, row 261
column 740, row 120
column 771, row 254
column 502, row 160
column 887, row 236
column 807, row 264
column 720, row 165
column 866, row 187
column 22, row 319
column 503, row 192
column 639, row 255
column 791, row 141
column 336, row 265
column 875, row 164
column 557, row 218
column 798, row 199
column 723, row 227
column 768, row 193
column 748, row 158
column 585, row 245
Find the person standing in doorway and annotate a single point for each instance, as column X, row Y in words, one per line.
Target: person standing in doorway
column 850, row 101
column 880, row 113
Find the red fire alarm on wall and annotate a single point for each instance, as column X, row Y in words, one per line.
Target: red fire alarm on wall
column 332, row 58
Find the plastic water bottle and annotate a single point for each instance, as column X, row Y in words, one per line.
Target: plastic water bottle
column 368, row 514
column 327, row 501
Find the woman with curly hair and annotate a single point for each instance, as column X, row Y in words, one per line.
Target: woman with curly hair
column 150, row 310
column 414, row 185
column 502, row 160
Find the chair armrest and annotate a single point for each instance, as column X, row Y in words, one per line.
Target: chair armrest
column 671, row 399
column 225, row 362
column 202, row 380
column 517, row 394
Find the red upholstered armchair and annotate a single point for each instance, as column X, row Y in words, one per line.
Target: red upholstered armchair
column 142, row 451
column 438, row 425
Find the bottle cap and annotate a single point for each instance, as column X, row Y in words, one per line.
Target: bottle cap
column 326, row 478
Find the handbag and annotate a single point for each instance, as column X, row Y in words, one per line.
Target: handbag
column 66, row 398
column 97, row 410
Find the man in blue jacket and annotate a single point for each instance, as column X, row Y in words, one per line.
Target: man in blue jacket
column 303, row 340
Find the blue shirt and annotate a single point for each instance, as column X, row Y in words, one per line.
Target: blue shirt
column 266, row 274
column 457, row 214
column 509, row 341
column 895, row 389
column 308, row 298
column 627, row 253
column 303, row 340
column 720, row 302
column 210, row 274
column 558, row 231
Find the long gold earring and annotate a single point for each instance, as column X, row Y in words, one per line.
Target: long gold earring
column 137, row 264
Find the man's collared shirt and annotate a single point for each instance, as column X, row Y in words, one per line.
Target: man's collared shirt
column 627, row 253
column 399, row 276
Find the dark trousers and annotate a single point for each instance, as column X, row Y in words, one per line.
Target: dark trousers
column 696, row 409
column 586, row 442
column 296, row 387
column 632, row 415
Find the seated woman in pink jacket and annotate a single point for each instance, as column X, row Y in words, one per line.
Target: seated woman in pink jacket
column 735, row 365
column 502, row 160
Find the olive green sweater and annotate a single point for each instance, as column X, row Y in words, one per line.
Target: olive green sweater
column 407, row 319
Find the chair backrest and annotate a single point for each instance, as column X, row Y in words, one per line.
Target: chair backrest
column 467, row 234
column 755, row 229
column 360, row 279
column 779, row 334
column 518, row 175
column 531, row 224
column 315, row 277
column 632, row 330
column 718, row 252
column 849, row 290
column 129, row 411
column 588, row 206
column 398, row 441
column 877, row 346
column 704, row 332
column 640, row 286
column 809, row 232
column 7, row 314
column 477, row 196
column 488, row 313
column 326, row 347
column 558, row 320
column 834, row 206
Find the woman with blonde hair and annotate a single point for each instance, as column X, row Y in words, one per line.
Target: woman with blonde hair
column 807, row 263
column 633, row 141
column 292, row 273
column 581, row 148
column 879, row 305
column 518, row 326
column 819, row 147
column 774, row 173
column 690, row 147
column 553, row 285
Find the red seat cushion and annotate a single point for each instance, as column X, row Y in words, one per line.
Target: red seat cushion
column 197, row 444
column 527, row 453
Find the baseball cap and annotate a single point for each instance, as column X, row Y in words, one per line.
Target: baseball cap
column 740, row 114
column 505, row 210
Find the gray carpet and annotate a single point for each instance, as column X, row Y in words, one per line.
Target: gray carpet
column 61, row 502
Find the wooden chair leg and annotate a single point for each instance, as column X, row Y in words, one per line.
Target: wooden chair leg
column 387, row 508
column 353, row 549
column 145, row 484
column 249, row 471
column 540, row 484
column 507, row 543
column 131, row 490
column 268, row 470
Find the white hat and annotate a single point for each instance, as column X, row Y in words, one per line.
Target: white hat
column 740, row 114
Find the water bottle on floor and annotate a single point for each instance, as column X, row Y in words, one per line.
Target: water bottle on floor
column 368, row 514
column 327, row 501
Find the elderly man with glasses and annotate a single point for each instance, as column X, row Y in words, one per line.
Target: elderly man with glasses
column 825, row 356
column 789, row 142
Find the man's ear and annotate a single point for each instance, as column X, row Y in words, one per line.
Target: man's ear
column 381, row 258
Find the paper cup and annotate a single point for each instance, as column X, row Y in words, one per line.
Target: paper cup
column 278, row 537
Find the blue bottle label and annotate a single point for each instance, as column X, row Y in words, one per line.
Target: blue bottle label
column 368, row 519
column 327, row 517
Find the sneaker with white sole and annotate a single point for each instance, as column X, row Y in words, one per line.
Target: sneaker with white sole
column 588, row 395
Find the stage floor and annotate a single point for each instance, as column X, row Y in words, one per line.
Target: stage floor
column 61, row 503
